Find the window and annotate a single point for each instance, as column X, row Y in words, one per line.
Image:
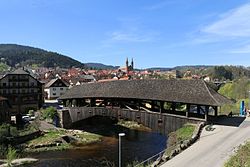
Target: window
column 4, row 92
column 61, row 88
column 4, row 84
column 32, row 90
column 14, row 84
column 14, row 91
column 54, row 89
column 23, row 91
column 32, row 84
column 54, row 94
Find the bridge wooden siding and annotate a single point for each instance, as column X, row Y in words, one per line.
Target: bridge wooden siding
column 158, row 122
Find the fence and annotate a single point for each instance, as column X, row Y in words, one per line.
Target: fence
column 158, row 156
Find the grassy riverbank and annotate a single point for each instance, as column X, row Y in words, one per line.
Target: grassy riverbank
column 60, row 140
column 181, row 134
column 241, row 157
column 175, row 138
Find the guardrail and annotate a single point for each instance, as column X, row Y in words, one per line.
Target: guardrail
column 158, row 156
column 171, row 151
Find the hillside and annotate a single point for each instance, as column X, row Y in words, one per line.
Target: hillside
column 14, row 55
column 100, row 66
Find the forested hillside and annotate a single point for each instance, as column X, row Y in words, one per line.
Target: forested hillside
column 18, row 55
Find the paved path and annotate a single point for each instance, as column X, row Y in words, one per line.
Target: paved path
column 46, row 126
column 213, row 148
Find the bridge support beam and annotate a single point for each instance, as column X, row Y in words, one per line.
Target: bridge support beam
column 206, row 113
column 161, row 106
column 173, row 106
column 188, row 110
column 215, row 111
column 198, row 109
column 92, row 102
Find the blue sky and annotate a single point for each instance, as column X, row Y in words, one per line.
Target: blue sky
column 156, row 33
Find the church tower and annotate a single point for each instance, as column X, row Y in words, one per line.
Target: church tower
column 132, row 64
column 127, row 66
column 127, row 63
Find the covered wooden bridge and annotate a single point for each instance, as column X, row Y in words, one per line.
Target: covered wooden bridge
column 149, row 102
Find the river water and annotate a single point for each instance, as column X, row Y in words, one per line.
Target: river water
column 136, row 145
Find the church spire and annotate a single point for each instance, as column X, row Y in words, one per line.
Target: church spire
column 127, row 62
column 132, row 63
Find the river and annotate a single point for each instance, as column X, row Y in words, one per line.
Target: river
column 136, row 145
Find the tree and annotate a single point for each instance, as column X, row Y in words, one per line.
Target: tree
column 49, row 113
column 221, row 73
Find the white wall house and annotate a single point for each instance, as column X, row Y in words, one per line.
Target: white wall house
column 55, row 88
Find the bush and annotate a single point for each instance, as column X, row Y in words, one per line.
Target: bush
column 49, row 113
column 31, row 112
column 6, row 130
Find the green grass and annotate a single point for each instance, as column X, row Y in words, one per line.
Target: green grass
column 185, row 132
column 241, row 158
column 52, row 136
column 89, row 137
column 49, row 137
column 174, row 138
column 235, row 108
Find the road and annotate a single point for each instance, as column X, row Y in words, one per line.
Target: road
column 214, row 147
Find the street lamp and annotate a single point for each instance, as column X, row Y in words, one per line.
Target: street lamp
column 120, row 154
column 248, row 101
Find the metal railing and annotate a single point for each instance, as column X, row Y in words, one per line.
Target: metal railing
column 155, row 157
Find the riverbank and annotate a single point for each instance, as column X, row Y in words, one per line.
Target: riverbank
column 241, row 156
column 179, row 141
column 61, row 139
column 22, row 162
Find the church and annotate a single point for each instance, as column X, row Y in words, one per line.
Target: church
column 128, row 67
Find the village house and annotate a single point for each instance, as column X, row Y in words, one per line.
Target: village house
column 23, row 91
column 55, row 88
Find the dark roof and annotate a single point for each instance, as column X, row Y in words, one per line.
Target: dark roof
column 51, row 82
column 20, row 71
column 183, row 91
column 88, row 77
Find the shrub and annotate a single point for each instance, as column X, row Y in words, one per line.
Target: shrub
column 31, row 112
column 6, row 130
column 49, row 113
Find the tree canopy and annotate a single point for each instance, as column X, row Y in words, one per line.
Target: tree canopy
column 17, row 55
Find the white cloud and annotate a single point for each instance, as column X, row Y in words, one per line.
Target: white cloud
column 235, row 23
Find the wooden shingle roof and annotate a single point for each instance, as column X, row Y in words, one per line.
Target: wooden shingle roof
column 183, row 91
